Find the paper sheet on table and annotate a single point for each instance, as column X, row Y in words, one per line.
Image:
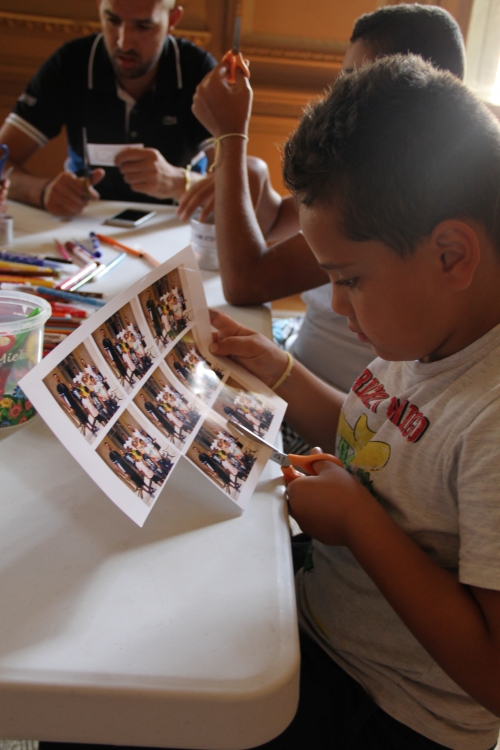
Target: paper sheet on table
column 135, row 388
column 104, row 154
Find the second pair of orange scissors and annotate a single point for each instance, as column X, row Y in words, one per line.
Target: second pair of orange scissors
column 286, row 460
column 233, row 57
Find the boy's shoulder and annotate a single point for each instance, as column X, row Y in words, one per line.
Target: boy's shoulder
column 423, row 402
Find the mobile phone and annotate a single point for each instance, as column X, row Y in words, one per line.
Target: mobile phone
column 131, row 217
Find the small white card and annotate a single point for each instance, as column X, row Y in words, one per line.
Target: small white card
column 104, row 154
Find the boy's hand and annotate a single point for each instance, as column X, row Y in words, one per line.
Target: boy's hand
column 250, row 349
column 201, row 193
column 223, row 107
column 325, row 506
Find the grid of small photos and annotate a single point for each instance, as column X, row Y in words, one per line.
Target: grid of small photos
column 141, row 389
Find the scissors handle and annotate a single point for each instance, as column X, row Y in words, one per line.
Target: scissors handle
column 306, row 463
column 233, row 61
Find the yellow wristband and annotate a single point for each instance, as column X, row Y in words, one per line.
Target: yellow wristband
column 187, row 179
column 216, row 143
column 287, row 372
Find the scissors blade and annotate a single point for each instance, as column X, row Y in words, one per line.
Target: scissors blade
column 277, row 456
column 236, row 35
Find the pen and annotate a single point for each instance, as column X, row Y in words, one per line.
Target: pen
column 90, row 275
column 86, row 166
column 30, row 260
column 70, row 296
column 78, row 252
column 63, row 318
column 60, row 262
column 75, row 312
column 32, row 280
column 114, row 243
column 85, row 273
column 9, row 266
column 136, row 253
column 7, row 174
column 95, row 242
column 91, row 253
column 62, row 250
column 111, row 265
column 96, row 295
column 57, row 293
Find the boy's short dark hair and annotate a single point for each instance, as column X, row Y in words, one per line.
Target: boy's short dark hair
column 397, row 147
column 424, row 30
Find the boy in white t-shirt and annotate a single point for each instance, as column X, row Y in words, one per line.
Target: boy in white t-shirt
column 397, row 178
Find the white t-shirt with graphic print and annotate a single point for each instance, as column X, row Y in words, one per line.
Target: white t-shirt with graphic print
column 425, row 438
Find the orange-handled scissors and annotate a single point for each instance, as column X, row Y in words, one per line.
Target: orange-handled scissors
column 233, row 57
column 286, row 460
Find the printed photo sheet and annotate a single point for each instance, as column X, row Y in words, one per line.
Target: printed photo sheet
column 136, row 387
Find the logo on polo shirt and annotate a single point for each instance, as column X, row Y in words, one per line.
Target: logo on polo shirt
column 169, row 120
column 28, row 99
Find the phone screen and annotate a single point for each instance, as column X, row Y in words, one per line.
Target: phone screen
column 131, row 217
column 131, row 214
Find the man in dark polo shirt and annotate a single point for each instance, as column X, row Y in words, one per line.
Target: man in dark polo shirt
column 131, row 84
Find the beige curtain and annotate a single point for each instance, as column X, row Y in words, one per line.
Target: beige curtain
column 483, row 50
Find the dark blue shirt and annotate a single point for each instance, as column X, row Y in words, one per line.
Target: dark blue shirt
column 76, row 87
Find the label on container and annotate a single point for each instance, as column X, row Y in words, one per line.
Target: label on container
column 15, row 362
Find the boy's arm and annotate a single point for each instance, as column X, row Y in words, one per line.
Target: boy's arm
column 250, row 273
column 317, row 423
column 458, row 625
column 286, row 222
column 278, row 217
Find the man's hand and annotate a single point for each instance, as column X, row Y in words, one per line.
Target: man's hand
column 326, row 505
column 250, row 349
column 67, row 194
column 223, row 107
column 146, row 171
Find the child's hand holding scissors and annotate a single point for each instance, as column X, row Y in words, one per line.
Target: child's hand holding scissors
column 327, row 505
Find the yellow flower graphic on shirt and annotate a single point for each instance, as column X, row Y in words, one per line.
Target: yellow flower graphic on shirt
column 357, row 447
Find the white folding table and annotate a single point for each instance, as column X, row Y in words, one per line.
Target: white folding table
column 181, row 634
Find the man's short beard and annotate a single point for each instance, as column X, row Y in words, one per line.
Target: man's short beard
column 133, row 73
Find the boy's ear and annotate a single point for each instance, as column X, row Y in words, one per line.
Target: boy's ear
column 459, row 250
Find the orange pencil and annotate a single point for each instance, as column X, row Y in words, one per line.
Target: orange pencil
column 114, row 243
column 126, row 249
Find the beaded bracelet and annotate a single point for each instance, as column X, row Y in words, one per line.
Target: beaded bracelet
column 216, row 142
column 285, row 374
